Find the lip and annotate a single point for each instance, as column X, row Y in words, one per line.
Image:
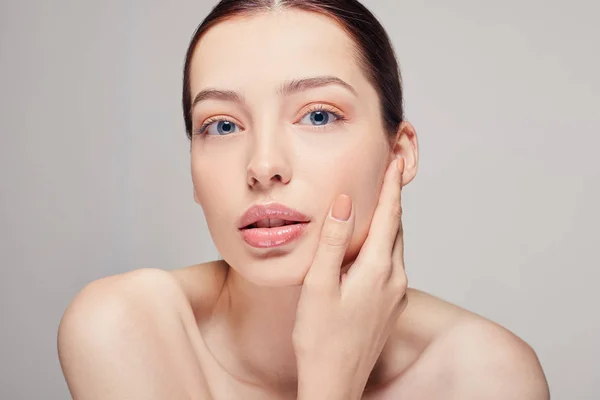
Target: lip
column 264, row 238
column 271, row 210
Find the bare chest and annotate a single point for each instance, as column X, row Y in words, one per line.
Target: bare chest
column 421, row 380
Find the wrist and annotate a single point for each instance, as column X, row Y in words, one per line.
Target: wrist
column 322, row 384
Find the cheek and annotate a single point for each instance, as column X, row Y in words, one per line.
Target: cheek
column 216, row 167
column 365, row 200
column 213, row 186
column 365, row 183
column 361, row 177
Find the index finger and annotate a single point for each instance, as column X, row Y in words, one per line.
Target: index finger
column 324, row 272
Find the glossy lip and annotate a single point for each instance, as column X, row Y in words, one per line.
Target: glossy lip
column 271, row 210
column 264, row 238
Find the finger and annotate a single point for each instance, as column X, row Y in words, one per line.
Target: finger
column 398, row 277
column 398, row 251
column 398, row 281
column 386, row 219
column 324, row 273
column 402, row 305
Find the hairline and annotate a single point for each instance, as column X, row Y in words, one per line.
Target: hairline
column 356, row 50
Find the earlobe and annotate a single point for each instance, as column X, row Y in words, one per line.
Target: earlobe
column 407, row 147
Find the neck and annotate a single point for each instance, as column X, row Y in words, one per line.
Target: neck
column 250, row 336
column 255, row 324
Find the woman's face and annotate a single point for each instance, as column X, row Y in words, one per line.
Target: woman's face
column 286, row 137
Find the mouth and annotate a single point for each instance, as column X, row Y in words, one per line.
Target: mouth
column 271, row 215
column 272, row 225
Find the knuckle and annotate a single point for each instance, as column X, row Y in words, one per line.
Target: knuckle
column 399, row 283
column 382, row 269
column 402, row 303
column 335, row 236
column 385, row 263
column 299, row 340
column 302, row 343
column 397, row 211
column 314, row 287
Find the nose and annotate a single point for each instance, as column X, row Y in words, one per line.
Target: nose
column 268, row 165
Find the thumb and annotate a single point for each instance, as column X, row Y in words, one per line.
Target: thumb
column 324, row 273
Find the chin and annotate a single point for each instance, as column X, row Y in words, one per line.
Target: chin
column 282, row 266
column 273, row 267
column 273, row 272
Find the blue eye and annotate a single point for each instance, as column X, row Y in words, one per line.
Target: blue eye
column 219, row 127
column 319, row 118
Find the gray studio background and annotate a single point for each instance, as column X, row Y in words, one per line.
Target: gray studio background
column 502, row 219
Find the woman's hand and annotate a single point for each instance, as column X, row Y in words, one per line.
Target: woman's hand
column 342, row 324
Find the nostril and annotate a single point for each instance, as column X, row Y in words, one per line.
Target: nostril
column 266, row 176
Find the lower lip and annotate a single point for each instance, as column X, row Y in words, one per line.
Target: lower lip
column 264, row 238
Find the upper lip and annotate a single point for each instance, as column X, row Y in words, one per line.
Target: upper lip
column 271, row 210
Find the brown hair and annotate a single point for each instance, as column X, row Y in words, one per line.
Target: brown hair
column 376, row 55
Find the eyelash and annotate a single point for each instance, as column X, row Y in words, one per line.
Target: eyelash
column 315, row 108
column 209, row 122
column 339, row 118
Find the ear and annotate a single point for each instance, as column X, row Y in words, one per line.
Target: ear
column 405, row 145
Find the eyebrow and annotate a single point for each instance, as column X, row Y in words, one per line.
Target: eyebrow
column 286, row 89
column 300, row 85
column 214, row 94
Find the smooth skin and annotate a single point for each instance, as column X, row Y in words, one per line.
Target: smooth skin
column 327, row 317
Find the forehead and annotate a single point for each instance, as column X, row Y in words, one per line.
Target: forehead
column 265, row 49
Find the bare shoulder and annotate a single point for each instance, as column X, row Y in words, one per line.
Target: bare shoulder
column 125, row 336
column 108, row 299
column 483, row 359
column 469, row 357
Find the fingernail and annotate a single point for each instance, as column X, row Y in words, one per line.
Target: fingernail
column 342, row 207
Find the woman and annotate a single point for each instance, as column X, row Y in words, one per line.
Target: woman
column 299, row 151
